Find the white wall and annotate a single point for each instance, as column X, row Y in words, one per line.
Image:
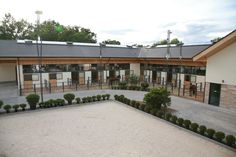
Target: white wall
column 7, row 72
column 136, row 68
column 122, row 74
column 88, row 75
column 222, row 66
column 65, row 77
column 45, row 76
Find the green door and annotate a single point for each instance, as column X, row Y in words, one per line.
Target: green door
column 214, row 94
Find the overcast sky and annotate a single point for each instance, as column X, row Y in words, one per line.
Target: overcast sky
column 135, row 21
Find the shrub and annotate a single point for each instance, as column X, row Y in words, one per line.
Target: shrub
column 23, row 106
column 210, row 133
column 180, row 121
column 128, row 101
column 84, row 99
column 122, row 85
column 194, row 127
column 89, row 99
column 69, row 97
column 137, row 88
column 116, row 97
column 99, row 97
column 160, row 114
column 1, row 103
column 133, row 79
column 153, row 111
column 121, row 98
column 144, row 86
column 168, row 116
column 32, row 100
column 147, row 108
column 41, row 104
column 174, row 119
column 133, row 102
column 7, row 108
column 230, row 140
column 51, row 103
column 108, row 96
column 187, row 123
column 137, row 104
column 141, row 107
column 60, row 102
column 78, row 100
column 202, row 129
column 15, row 107
column 157, row 98
column 219, row 136
column 104, row 97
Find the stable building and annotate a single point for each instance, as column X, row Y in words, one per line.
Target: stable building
column 220, row 61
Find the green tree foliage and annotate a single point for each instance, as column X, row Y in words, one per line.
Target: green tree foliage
column 157, row 98
column 11, row 29
column 216, row 39
column 48, row 30
column 164, row 42
column 113, row 42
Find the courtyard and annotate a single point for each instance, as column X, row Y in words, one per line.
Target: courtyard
column 99, row 129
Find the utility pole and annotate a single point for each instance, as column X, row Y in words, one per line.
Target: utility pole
column 167, row 54
column 39, row 53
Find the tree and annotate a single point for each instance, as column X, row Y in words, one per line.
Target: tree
column 157, row 98
column 113, row 42
column 164, row 42
column 11, row 29
column 215, row 40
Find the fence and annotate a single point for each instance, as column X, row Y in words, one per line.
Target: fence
column 185, row 89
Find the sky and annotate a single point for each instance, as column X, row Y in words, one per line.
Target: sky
column 134, row 21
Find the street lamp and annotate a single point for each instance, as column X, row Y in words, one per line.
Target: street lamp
column 167, row 54
column 39, row 52
column 180, row 58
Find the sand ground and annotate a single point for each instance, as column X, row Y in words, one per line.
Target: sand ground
column 107, row 129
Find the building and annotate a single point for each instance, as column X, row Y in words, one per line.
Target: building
column 220, row 61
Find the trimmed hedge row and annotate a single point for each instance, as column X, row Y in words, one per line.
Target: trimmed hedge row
column 33, row 100
column 185, row 123
column 123, row 85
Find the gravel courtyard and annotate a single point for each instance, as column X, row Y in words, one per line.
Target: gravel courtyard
column 107, row 129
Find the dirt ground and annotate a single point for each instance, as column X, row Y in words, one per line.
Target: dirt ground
column 107, row 129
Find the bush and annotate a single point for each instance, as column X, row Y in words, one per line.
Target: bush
column 137, row 104
column 137, row 88
column 202, row 129
column 128, row 101
column 147, row 108
column 153, row 111
column 160, row 114
column 69, row 97
column 187, row 123
column 122, row 85
column 230, row 140
column 194, row 127
column 133, row 103
column 94, row 98
column 174, row 119
column 23, row 106
column 141, row 107
column 89, row 99
column 121, row 98
column 144, row 86
column 78, row 100
column 133, row 79
column 210, row 133
column 168, row 116
column 60, row 102
column 219, row 136
column 32, row 100
column 41, row 104
column 1, row 103
column 84, row 99
column 116, row 97
column 180, row 121
column 99, row 97
column 7, row 108
column 157, row 98
column 104, row 97
column 108, row 96
column 15, row 107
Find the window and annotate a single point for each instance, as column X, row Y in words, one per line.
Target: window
column 59, row 76
column 52, row 76
column 35, row 77
column 28, row 77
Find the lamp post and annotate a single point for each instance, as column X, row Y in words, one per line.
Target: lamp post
column 180, row 58
column 39, row 52
column 167, row 54
column 101, row 69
